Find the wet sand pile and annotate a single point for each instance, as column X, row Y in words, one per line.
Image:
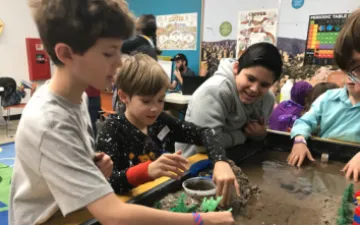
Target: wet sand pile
column 247, row 192
column 289, row 196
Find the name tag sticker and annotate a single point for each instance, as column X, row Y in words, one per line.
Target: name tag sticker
column 163, row 133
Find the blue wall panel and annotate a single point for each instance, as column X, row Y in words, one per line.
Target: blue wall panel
column 164, row 7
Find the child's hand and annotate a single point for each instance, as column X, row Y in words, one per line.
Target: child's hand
column 217, row 218
column 353, row 168
column 298, row 154
column 255, row 129
column 169, row 165
column 225, row 180
column 104, row 163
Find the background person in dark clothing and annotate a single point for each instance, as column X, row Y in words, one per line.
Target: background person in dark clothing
column 145, row 39
column 137, row 140
column 181, row 70
column 12, row 94
column 144, row 42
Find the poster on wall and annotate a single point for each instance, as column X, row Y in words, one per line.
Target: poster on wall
column 254, row 27
column 177, row 31
column 213, row 52
column 222, row 46
column 321, row 38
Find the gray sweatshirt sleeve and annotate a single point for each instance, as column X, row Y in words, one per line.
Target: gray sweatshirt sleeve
column 210, row 108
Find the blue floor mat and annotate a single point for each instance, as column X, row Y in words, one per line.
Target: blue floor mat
column 7, row 156
column 4, row 217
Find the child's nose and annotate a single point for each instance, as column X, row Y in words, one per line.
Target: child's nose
column 154, row 108
column 254, row 88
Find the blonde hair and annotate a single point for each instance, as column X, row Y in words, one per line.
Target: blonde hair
column 141, row 75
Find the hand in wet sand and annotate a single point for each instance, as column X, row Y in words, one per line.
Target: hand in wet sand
column 298, row 154
column 170, row 165
column 353, row 168
column 225, row 181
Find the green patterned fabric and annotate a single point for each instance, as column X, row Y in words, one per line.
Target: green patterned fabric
column 5, row 178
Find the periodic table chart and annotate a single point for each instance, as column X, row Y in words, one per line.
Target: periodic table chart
column 321, row 38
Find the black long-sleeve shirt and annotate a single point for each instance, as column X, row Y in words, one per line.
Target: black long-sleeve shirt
column 128, row 146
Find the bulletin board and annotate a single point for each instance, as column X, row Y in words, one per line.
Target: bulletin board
column 166, row 7
column 177, row 31
column 322, row 33
column 256, row 26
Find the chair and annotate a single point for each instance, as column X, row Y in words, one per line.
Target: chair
column 106, row 103
column 18, row 106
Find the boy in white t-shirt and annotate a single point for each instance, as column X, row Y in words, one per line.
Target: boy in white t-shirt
column 56, row 166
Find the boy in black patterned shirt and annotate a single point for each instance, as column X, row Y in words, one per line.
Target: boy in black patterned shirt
column 137, row 140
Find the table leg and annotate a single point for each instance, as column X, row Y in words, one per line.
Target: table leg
column 2, row 121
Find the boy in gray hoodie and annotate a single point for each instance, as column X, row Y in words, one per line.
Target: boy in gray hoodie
column 236, row 103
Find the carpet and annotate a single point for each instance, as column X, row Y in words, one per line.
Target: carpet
column 7, row 156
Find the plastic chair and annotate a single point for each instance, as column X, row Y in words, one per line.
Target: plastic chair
column 18, row 106
column 106, row 103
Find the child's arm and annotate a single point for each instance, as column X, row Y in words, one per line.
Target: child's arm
column 110, row 211
column 123, row 177
column 223, row 175
column 67, row 167
column 186, row 132
column 308, row 123
column 302, row 129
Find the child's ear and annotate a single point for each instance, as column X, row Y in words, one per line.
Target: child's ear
column 235, row 68
column 63, row 52
column 124, row 98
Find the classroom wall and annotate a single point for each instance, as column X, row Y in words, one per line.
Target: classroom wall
column 16, row 16
column 164, row 7
column 229, row 12
column 292, row 23
column 291, row 30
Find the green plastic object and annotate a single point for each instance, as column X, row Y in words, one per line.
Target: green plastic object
column 181, row 206
column 210, row 205
column 345, row 213
column 349, row 192
column 157, row 205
